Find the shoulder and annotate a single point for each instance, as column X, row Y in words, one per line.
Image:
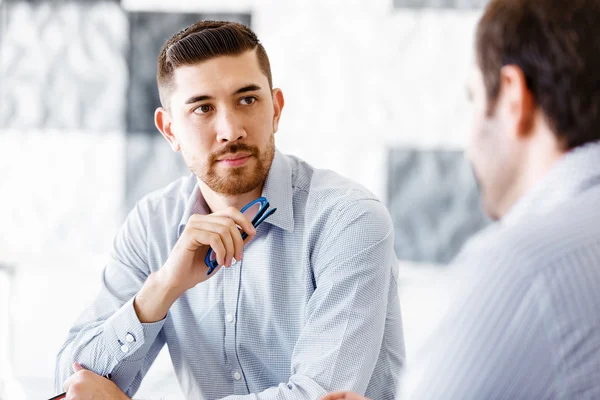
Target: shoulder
column 167, row 203
column 538, row 243
column 337, row 199
column 174, row 193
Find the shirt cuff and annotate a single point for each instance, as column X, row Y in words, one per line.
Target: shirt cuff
column 126, row 336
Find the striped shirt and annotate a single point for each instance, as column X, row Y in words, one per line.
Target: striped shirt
column 523, row 320
column 311, row 308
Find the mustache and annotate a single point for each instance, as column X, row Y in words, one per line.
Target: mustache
column 232, row 149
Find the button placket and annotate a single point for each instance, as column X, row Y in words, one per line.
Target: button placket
column 231, row 297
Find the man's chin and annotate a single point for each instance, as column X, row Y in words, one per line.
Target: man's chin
column 234, row 183
column 229, row 173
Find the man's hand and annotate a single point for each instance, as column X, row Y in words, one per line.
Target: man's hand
column 185, row 266
column 343, row 396
column 86, row 385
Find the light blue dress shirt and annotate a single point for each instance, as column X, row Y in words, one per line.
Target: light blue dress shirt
column 521, row 315
column 311, row 308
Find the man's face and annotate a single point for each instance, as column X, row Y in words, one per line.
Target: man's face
column 493, row 155
column 223, row 117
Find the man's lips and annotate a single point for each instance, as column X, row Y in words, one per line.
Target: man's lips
column 235, row 160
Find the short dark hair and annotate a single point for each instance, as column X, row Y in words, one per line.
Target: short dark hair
column 203, row 41
column 555, row 43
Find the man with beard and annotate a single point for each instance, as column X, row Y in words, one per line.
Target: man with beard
column 308, row 302
column 523, row 320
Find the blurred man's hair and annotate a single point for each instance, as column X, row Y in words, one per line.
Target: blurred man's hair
column 556, row 44
column 203, row 41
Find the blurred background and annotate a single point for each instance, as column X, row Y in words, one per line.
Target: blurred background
column 375, row 90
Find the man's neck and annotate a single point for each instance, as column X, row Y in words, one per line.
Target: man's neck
column 541, row 157
column 218, row 201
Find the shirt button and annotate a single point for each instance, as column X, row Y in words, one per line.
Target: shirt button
column 130, row 338
column 234, row 262
column 124, row 348
column 237, row 376
column 229, row 318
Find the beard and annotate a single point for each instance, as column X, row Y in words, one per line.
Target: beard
column 240, row 180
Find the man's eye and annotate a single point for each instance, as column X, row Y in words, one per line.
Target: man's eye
column 247, row 101
column 203, row 109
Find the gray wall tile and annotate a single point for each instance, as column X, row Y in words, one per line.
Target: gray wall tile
column 63, row 66
column 151, row 165
column 459, row 4
column 434, row 202
column 149, row 31
column 57, row 1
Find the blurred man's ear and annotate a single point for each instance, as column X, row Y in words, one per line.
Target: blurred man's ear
column 518, row 100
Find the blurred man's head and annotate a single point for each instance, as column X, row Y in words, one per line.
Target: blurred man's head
column 535, row 88
column 219, row 107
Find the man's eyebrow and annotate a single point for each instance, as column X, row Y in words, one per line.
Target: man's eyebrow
column 198, row 98
column 204, row 97
column 248, row 88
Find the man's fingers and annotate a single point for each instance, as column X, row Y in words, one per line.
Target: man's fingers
column 232, row 232
column 235, row 233
column 75, row 377
column 343, row 395
column 67, row 384
column 206, row 233
column 238, row 243
column 226, row 228
column 214, row 241
column 239, row 218
column 334, row 396
column 70, row 381
column 225, row 224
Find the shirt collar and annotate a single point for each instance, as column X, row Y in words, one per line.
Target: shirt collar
column 195, row 205
column 576, row 171
column 278, row 190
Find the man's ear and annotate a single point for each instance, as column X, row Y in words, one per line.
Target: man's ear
column 278, row 103
column 163, row 122
column 518, row 100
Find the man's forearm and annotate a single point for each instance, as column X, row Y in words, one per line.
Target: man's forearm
column 154, row 300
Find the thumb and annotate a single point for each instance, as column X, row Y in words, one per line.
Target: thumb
column 77, row 367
